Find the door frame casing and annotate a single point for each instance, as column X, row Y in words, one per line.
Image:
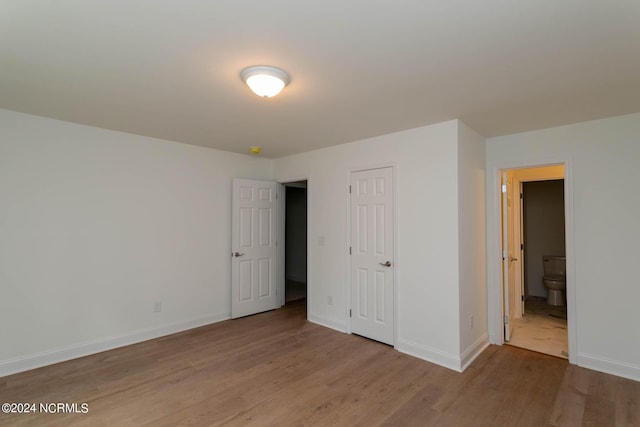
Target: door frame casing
column 494, row 250
column 506, row 190
column 348, row 243
column 519, row 245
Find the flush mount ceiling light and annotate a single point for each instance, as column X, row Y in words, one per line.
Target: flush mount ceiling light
column 265, row 81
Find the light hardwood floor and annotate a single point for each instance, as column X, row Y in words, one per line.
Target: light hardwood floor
column 277, row 369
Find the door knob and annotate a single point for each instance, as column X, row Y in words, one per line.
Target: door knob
column 386, row 264
column 236, row 254
column 512, row 258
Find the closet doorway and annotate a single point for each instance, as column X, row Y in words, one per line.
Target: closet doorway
column 295, row 242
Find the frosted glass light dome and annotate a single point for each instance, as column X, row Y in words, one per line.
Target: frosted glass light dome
column 265, row 81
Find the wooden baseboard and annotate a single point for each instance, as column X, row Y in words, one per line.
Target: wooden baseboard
column 609, row 366
column 429, row 354
column 473, row 351
column 328, row 323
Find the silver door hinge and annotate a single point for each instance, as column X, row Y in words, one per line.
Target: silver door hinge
column 504, row 188
column 506, row 319
column 349, row 250
column 349, row 312
column 349, row 189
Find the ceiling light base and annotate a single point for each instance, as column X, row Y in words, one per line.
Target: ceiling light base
column 264, row 80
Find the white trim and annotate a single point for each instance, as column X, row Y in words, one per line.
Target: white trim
column 289, row 180
column 494, row 260
column 310, row 218
column 281, row 277
column 609, row 366
column 347, row 289
column 327, row 323
column 62, row 354
column 518, row 246
column 429, row 354
column 473, row 351
column 495, row 292
column 396, row 258
column 572, row 291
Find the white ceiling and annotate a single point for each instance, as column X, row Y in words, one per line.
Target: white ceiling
column 359, row 68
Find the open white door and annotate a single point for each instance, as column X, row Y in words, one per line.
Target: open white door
column 507, row 254
column 253, row 245
column 372, row 263
column 519, row 247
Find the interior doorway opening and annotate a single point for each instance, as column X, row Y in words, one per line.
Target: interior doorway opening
column 295, row 242
column 534, row 259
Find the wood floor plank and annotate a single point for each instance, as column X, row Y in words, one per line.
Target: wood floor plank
column 627, row 401
column 570, row 399
column 277, row 369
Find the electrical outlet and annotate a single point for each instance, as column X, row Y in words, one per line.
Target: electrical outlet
column 157, row 307
column 470, row 322
column 329, row 300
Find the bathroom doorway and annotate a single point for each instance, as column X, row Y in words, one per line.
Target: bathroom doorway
column 533, row 222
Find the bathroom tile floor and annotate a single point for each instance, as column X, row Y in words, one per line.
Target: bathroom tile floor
column 543, row 328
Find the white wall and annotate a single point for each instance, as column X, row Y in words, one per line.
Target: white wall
column 427, row 273
column 603, row 156
column 471, row 238
column 96, row 226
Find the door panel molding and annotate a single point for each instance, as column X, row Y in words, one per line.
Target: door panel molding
column 371, row 240
column 254, row 253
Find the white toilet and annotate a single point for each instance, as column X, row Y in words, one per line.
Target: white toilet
column 555, row 279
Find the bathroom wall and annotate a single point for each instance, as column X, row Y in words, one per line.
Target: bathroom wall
column 544, row 229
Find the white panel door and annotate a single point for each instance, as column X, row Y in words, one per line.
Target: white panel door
column 519, row 274
column 253, row 246
column 508, row 259
column 372, row 261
